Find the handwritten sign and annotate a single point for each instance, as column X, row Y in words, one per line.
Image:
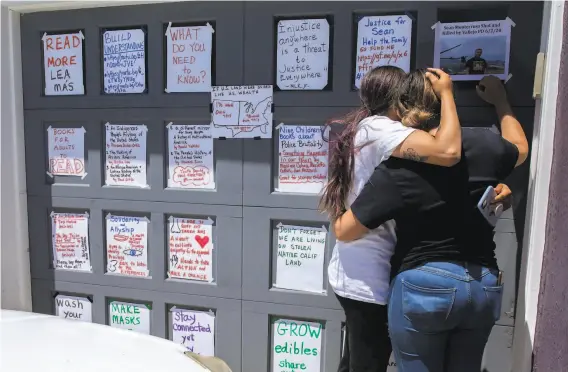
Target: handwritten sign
column 302, row 159
column 188, row 58
column 302, row 54
column 74, row 308
column 70, row 234
column 301, row 251
column 66, row 152
column 296, row 346
column 63, row 64
column 242, row 111
column 127, row 245
column 190, row 157
column 382, row 40
column 126, row 155
column 124, row 57
column 472, row 50
column 134, row 317
column 195, row 330
column 190, row 247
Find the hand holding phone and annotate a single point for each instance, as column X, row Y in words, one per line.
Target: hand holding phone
column 491, row 211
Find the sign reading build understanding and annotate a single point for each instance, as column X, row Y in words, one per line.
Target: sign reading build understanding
column 381, row 41
column 188, row 58
column 124, row 57
column 63, row 64
column 302, row 54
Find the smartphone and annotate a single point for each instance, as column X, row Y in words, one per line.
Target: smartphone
column 490, row 211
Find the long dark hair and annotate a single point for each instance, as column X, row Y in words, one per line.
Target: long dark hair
column 417, row 104
column 378, row 93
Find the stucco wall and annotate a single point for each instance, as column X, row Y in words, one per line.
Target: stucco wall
column 551, row 340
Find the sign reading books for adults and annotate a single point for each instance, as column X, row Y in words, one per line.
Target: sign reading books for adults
column 66, row 152
column 63, row 64
column 190, row 154
column 188, row 58
column 126, row 155
column 297, row 346
column 302, row 54
column 127, row 245
column 74, row 308
column 303, row 156
column 71, row 241
column 190, row 248
column 131, row 316
column 472, row 50
column 242, row 111
column 300, row 261
column 382, row 40
column 195, row 330
column 124, row 61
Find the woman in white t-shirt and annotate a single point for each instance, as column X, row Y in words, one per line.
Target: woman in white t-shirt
column 368, row 136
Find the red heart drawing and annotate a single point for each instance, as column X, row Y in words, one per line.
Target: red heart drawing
column 202, row 240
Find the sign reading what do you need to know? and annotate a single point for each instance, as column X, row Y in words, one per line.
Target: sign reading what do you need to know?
column 195, row 330
column 188, row 58
column 130, row 316
column 302, row 54
column 63, row 64
column 382, row 40
column 296, row 346
column 124, row 61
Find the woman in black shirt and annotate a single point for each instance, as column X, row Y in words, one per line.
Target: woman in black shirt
column 446, row 292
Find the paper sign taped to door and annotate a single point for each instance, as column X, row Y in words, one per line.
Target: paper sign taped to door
column 195, row 330
column 63, row 64
column 131, row 316
column 297, row 346
column 70, row 234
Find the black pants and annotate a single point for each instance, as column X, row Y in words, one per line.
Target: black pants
column 367, row 343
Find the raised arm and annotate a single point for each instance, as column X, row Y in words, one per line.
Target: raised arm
column 443, row 148
column 492, row 91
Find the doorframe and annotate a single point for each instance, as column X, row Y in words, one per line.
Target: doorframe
column 538, row 191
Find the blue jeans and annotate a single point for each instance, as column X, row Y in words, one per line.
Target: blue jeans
column 440, row 316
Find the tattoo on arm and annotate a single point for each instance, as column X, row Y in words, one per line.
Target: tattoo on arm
column 411, row 154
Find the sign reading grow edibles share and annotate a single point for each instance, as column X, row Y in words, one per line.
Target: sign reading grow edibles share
column 296, row 346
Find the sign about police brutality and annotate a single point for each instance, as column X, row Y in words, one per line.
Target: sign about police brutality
column 127, row 245
column 126, row 155
column 130, row 316
column 242, row 111
column 66, row 152
column 124, row 61
column 70, row 234
column 188, row 58
column 382, row 40
column 195, row 330
column 190, row 157
column 303, row 156
column 63, row 64
column 296, row 346
column 472, row 50
column 300, row 260
column 302, row 54
column 74, row 308
column 190, row 249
